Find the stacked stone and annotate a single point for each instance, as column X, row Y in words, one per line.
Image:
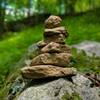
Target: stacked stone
column 54, row 55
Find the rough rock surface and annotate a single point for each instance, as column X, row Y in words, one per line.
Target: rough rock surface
column 44, row 71
column 51, row 51
column 58, row 38
column 59, row 90
column 53, row 21
column 80, row 80
column 58, row 30
column 56, row 48
column 90, row 47
column 57, row 59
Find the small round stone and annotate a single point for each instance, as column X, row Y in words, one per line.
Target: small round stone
column 53, row 21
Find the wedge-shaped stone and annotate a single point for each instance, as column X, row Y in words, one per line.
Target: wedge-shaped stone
column 58, row 38
column 44, row 71
column 56, row 48
column 57, row 59
column 57, row 30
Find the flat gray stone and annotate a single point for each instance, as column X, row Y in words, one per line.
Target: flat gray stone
column 57, row 59
column 44, row 71
column 90, row 47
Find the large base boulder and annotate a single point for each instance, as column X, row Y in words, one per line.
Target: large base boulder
column 62, row 89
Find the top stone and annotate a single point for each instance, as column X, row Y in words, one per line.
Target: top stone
column 53, row 22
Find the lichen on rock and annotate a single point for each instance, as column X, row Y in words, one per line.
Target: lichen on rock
column 73, row 96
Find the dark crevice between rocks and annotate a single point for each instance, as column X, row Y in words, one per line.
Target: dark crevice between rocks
column 42, row 81
column 95, row 78
column 57, row 92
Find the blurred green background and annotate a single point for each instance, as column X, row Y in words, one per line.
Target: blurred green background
column 21, row 24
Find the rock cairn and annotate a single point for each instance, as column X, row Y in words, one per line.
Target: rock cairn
column 54, row 55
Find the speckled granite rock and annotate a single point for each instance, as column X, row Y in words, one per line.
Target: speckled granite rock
column 61, row 89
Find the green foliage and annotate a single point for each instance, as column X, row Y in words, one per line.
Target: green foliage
column 47, row 6
column 85, row 63
column 12, row 49
column 73, row 96
column 85, row 5
column 59, row 7
column 83, row 27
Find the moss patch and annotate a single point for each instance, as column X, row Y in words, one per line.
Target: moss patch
column 73, row 96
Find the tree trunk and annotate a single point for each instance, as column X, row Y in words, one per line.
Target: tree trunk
column 70, row 6
column 2, row 16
